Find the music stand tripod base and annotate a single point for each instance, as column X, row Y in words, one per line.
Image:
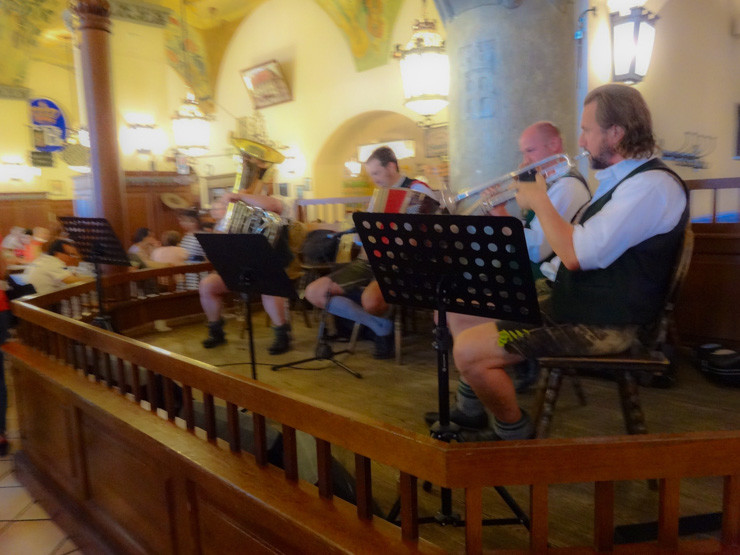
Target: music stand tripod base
column 323, row 351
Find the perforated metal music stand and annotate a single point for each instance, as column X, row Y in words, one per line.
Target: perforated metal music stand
column 475, row 265
column 98, row 244
column 248, row 265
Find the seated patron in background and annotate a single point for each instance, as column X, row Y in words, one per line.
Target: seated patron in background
column 140, row 252
column 568, row 194
column 51, row 270
column 189, row 221
column 14, row 245
column 170, row 253
column 212, row 288
column 37, row 244
column 617, row 260
column 351, row 292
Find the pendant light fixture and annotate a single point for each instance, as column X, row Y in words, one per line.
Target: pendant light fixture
column 191, row 127
column 425, row 68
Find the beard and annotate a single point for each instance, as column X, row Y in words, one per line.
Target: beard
column 602, row 159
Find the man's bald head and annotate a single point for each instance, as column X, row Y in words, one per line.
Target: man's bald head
column 538, row 141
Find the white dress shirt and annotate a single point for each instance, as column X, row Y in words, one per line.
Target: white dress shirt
column 47, row 273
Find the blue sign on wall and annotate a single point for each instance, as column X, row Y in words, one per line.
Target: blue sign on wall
column 49, row 127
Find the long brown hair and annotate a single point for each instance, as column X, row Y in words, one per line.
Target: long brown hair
column 625, row 107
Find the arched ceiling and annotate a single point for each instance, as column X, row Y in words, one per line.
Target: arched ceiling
column 36, row 29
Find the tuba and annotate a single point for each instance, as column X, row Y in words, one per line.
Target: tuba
column 504, row 188
column 240, row 217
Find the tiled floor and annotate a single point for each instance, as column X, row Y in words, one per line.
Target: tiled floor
column 25, row 527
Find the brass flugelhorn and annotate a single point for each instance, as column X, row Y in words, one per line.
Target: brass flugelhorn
column 506, row 186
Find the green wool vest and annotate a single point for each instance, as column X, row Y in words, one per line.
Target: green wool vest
column 632, row 289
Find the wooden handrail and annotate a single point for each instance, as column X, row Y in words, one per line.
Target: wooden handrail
column 536, row 463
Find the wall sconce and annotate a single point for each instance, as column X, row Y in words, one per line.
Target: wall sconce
column 425, row 68
column 633, row 35
column 191, row 127
column 402, row 149
column 141, row 135
column 13, row 170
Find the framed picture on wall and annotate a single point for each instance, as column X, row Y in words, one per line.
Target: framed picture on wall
column 435, row 141
column 266, row 84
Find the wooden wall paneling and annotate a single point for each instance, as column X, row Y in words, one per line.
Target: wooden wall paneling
column 48, row 427
column 708, row 305
column 128, row 485
column 36, row 210
column 140, row 214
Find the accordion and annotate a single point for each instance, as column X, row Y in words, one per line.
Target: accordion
column 243, row 218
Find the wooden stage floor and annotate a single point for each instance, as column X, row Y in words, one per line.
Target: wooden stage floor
column 400, row 395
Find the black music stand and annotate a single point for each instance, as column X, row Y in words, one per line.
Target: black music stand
column 97, row 243
column 475, row 265
column 248, row 265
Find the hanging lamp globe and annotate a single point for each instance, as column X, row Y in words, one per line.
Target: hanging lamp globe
column 425, row 69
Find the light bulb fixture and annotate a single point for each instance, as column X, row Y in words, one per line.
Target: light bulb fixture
column 14, row 170
column 633, row 35
column 191, row 127
column 425, row 68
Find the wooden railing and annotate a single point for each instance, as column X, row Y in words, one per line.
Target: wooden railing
column 77, row 362
column 329, row 210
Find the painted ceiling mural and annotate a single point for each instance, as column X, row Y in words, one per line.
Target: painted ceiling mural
column 366, row 25
column 186, row 54
column 22, row 27
column 35, row 30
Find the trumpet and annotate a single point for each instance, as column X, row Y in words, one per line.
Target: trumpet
column 506, row 186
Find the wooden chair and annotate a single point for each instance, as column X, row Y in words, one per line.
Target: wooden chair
column 646, row 358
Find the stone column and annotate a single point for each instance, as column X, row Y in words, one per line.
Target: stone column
column 108, row 184
column 512, row 62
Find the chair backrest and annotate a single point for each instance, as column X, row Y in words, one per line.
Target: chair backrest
column 656, row 337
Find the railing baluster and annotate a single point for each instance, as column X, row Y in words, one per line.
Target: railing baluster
column 363, row 486
column 152, row 391
column 474, row 520
column 323, row 461
column 538, row 531
column 409, row 507
column 232, row 421
column 169, row 398
column 731, row 511
column 136, row 382
column 210, row 416
column 290, row 453
column 107, row 369
column 669, row 501
column 96, row 354
column 604, row 516
column 121, row 376
column 260, row 439
column 187, row 406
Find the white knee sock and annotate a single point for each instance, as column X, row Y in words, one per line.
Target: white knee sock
column 347, row 308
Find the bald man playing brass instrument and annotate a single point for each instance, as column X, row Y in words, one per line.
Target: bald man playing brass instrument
column 568, row 194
